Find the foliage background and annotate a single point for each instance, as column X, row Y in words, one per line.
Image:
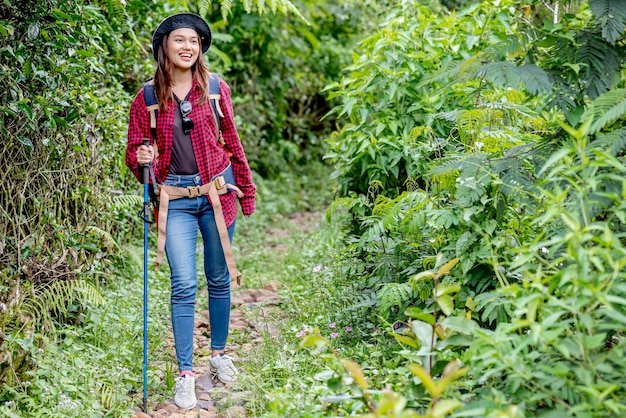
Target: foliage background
column 68, row 71
column 478, row 152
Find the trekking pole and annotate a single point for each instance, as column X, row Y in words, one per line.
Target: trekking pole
column 146, row 212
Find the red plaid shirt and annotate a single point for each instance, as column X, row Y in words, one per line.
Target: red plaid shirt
column 211, row 157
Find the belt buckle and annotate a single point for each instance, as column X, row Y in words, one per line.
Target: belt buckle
column 219, row 182
column 194, row 191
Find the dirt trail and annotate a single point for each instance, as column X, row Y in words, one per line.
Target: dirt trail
column 215, row 399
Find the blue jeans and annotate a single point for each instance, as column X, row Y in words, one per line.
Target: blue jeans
column 184, row 217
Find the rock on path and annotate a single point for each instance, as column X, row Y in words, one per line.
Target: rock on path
column 215, row 399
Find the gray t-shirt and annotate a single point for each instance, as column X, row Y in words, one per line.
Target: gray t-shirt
column 183, row 158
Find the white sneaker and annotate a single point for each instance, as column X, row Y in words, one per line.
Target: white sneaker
column 185, row 392
column 224, row 368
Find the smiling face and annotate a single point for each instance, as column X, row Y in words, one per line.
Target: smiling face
column 183, row 48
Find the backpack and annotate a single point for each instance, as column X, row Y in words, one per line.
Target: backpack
column 152, row 105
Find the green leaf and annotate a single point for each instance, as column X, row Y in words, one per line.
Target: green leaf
column 447, row 289
column 460, row 324
column 446, row 303
column 425, row 378
column 591, row 342
column 447, row 267
column 606, row 109
column 26, row 109
column 403, row 339
column 418, row 313
column 423, row 331
column 27, row 142
column 313, row 341
column 444, row 407
column 423, row 275
column 7, row 30
column 555, row 157
column 356, row 372
column 221, row 56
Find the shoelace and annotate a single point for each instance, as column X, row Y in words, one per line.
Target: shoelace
column 182, row 387
column 227, row 363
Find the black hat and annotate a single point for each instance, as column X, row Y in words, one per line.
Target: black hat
column 182, row 20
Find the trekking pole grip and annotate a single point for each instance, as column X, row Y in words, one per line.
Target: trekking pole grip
column 146, row 167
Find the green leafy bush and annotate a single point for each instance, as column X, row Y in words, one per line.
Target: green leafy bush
column 456, row 144
column 563, row 349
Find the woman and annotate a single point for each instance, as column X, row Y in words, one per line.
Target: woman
column 188, row 152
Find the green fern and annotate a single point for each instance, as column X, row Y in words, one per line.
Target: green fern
column 127, row 201
column 611, row 15
column 362, row 298
column 614, row 141
column 536, row 80
column 204, row 6
column 606, row 109
column 394, row 294
column 468, row 164
column 601, row 61
column 500, row 74
column 107, row 396
column 116, row 9
column 107, row 239
column 227, row 6
column 52, row 299
column 284, row 6
column 343, row 203
column 449, row 74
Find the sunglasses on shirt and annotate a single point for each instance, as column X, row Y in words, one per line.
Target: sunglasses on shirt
column 185, row 110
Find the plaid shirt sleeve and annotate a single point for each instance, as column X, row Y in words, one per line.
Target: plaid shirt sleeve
column 241, row 168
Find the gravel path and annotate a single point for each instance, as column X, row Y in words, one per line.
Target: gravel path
column 215, row 399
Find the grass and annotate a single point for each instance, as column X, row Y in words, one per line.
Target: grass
column 302, row 254
column 93, row 366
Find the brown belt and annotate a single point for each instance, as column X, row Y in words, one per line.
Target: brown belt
column 213, row 189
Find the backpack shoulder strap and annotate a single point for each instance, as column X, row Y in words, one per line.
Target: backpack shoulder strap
column 214, row 99
column 152, row 105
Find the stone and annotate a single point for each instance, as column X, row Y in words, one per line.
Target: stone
column 238, row 326
column 207, row 414
column 171, row 408
column 272, row 286
column 235, row 412
column 262, row 295
column 246, row 347
column 204, row 404
column 205, row 383
column 236, row 300
column 248, row 299
column 203, row 396
column 165, row 404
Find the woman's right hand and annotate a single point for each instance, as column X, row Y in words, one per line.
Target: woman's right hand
column 145, row 154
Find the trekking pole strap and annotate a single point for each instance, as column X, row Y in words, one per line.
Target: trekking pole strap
column 213, row 190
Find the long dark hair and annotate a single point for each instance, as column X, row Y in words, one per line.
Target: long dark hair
column 163, row 76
